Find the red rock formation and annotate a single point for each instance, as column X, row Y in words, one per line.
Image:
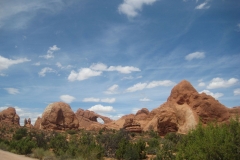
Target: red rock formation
column 37, row 123
column 9, row 116
column 88, row 119
column 132, row 126
column 59, row 116
column 27, row 123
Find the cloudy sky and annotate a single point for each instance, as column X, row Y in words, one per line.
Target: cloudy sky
column 116, row 56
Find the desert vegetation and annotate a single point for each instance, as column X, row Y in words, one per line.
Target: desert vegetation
column 211, row 141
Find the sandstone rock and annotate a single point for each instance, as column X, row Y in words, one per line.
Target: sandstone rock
column 9, row 116
column 37, row 124
column 59, row 116
column 27, row 123
column 132, row 126
column 88, row 120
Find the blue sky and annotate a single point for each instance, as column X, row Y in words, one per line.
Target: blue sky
column 115, row 57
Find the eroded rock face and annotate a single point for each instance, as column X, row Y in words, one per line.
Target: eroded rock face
column 185, row 107
column 132, row 126
column 9, row 116
column 37, row 123
column 27, row 123
column 88, row 120
column 59, row 116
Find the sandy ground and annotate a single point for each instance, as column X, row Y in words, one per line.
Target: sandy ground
column 11, row 156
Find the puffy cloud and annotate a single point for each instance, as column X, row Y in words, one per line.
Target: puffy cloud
column 125, row 70
column 112, row 90
column 201, row 84
column 221, row 83
column 37, row 64
column 215, row 95
column 98, row 67
column 131, row 7
column 203, row 6
column 101, row 109
column 195, row 55
column 83, row 74
column 50, row 52
column 67, row 98
column 144, row 99
column 236, row 91
column 12, row 90
column 45, row 70
column 106, row 100
column 137, row 87
column 5, row 63
column 153, row 84
column 59, row 65
column 91, row 99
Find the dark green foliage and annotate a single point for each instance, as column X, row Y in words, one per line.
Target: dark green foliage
column 59, row 144
column 20, row 133
column 211, row 142
column 153, row 146
column 24, row 145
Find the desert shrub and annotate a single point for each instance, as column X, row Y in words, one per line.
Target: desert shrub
column 23, row 146
column 71, row 132
column 111, row 141
column 38, row 153
column 59, row 144
column 166, row 150
column 153, row 146
column 20, row 133
column 174, row 137
column 211, row 142
column 4, row 146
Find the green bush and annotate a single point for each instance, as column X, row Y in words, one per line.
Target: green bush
column 211, row 142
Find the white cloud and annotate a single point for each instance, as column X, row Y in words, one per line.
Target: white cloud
column 124, row 70
column 137, row 87
column 201, row 84
column 91, row 99
column 5, row 63
column 203, row 6
column 25, row 113
column 112, row 90
column 12, row 90
column 131, row 7
column 195, row 55
column 108, row 100
column 101, row 109
column 153, row 84
column 221, row 83
column 236, row 91
column 37, row 64
column 215, row 95
column 98, row 67
column 50, row 52
column 67, row 98
column 59, row 65
column 3, row 75
column 45, row 70
column 144, row 99
column 83, row 74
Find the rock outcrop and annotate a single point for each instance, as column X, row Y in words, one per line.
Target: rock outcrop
column 132, row 126
column 27, row 123
column 37, row 123
column 88, row 120
column 9, row 116
column 184, row 108
column 58, row 116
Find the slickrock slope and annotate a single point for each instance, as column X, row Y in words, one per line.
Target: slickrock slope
column 9, row 116
column 184, row 108
column 58, row 116
column 88, row 120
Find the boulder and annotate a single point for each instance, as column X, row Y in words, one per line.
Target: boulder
column 59, row 116
column 37, row 123
column 9, row 116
